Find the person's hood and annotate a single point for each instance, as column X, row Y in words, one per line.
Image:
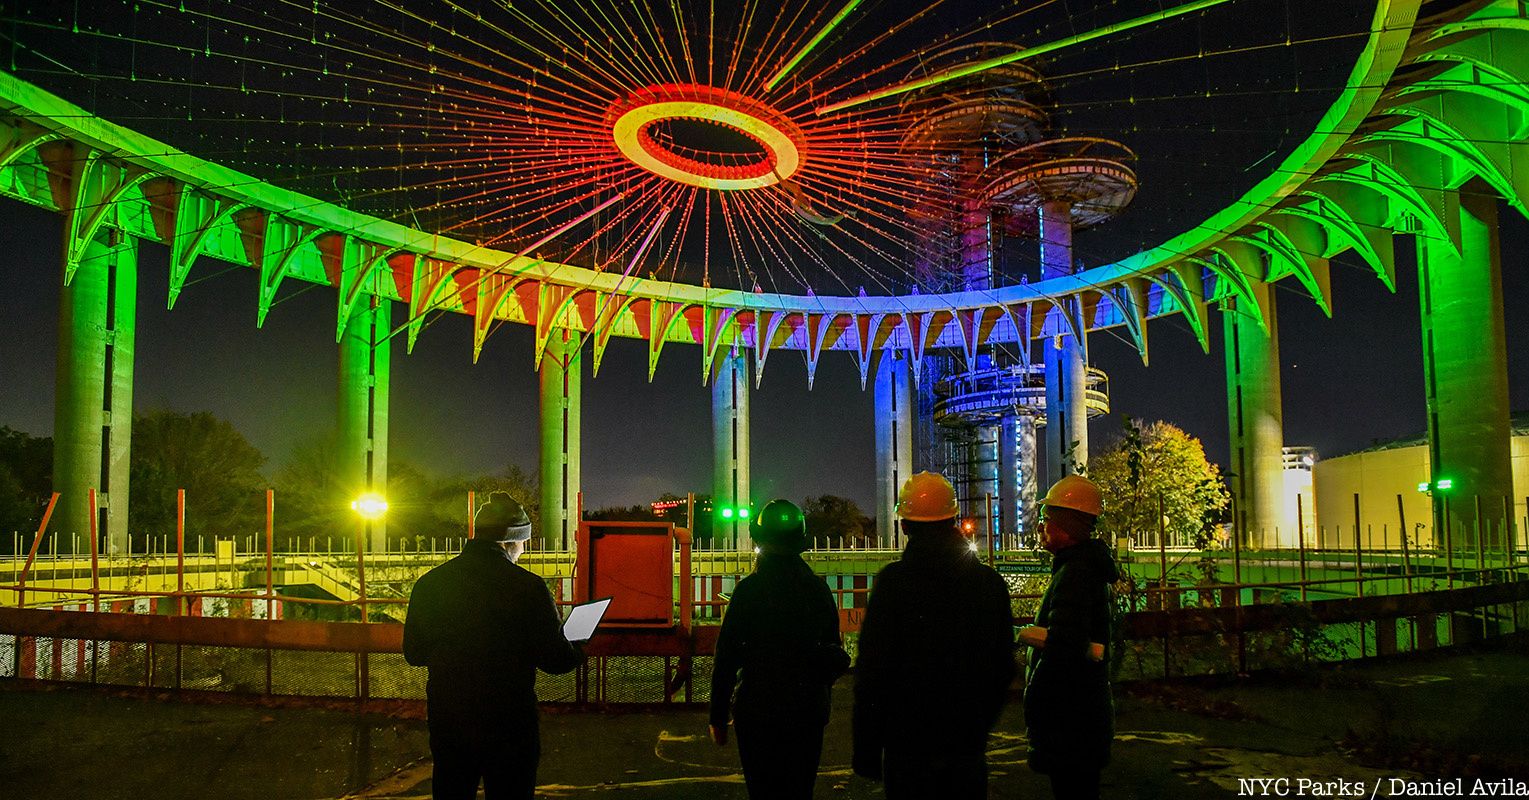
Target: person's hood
column 1095, row 553
column 779, row 561
column 484, row 548
column 936, row 548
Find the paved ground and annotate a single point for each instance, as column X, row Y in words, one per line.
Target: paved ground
column 1427, row 718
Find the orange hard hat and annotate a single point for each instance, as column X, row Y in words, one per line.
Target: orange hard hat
column 927, row 497
column 1077, row 493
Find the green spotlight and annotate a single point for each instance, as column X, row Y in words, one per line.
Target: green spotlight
column 1444, row 483
column 727, row 513
column 743, row 513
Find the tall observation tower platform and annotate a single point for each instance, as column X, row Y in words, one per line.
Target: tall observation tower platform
column 1004, row 180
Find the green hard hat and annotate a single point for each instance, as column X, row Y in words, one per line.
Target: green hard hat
column 779, row 522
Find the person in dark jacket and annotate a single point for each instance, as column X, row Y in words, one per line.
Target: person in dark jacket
column 936, row 657
column 483, row 626
column 781, row 633
column 1069, row 711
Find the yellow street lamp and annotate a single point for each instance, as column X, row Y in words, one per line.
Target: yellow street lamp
column 371, row 506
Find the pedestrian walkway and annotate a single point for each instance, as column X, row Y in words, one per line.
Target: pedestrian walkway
column 1438, row 715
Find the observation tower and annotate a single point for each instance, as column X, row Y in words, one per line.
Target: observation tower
column 998, row 170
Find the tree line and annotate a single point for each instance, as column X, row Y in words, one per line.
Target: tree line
column 1155, row 477
column 226, row 478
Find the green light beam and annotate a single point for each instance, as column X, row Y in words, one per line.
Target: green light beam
column 963, row 70
column 807, row 48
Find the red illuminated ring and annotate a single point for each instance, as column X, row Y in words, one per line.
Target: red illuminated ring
column 632, row 120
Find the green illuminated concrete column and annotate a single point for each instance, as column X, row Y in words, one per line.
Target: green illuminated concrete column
column 1066, row 411
column 561, row 384
column 1465, row 374
column 730, row 445
column 1257, row 424
column 365, row 361
column 893, row 403
column 93, row 404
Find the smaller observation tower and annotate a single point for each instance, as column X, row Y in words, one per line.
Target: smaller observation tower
column 1000, row 178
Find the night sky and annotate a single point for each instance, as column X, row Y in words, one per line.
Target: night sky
column 1348, row 381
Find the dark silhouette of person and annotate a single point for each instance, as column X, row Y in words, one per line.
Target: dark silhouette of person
column 1069, row 710
column 781, row 635
column 936, row 657
column 483, row 625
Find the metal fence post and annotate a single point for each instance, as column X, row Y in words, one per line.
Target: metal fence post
column 992, row 550
column 1162, row 555
column 1481, row 533
column 180, row 571
column 1386, row 554
column 361, row 537
column 270, row 551
column 1242, row 636
column 1237, row 563
column 95, row 564
column 1505, row 525
column 1358, row 554
column 1513, row 539
column 1300, row 539
column 180, row 551
column 270, row 578
column 1480, row 544
column 1449, row 549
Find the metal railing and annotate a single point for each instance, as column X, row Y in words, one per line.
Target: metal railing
column 143, row 619
column 1171, row 631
